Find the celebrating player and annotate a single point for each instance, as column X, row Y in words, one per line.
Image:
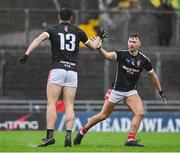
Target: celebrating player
column 130, row 64
column 65, row 39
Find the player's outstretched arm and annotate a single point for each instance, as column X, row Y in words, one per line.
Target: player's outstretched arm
column 155, row 80
column 93, row 42
column 157, row 85
column 107, row 54
column 36, row 42
column 96, row 40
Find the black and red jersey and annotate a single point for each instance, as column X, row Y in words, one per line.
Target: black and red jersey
column 65, row 39
column 129, row 68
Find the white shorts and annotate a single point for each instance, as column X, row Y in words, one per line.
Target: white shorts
column 115, row 96
column 63, row 77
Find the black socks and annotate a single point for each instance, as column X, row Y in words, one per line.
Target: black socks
column 50, row 133
column 68, row 133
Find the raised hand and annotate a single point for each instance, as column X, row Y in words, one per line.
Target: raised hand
column 102, row 32
column 162, row 96
column 23, row 59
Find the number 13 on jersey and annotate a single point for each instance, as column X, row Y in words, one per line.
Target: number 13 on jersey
column 67, row 41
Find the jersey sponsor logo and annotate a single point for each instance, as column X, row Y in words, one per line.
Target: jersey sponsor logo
column 68, row 64
column 130, row 70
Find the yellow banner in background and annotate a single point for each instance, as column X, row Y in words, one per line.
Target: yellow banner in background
column 89, row 28
column 175, row 3
column 156, row 3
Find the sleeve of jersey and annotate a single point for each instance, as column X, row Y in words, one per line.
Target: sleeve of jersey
column 148, row 66
column 48, row 32
column 118, row 56
column 83, row 37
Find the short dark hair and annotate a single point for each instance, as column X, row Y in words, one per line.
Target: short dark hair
column 65, row 14
column 134, row 36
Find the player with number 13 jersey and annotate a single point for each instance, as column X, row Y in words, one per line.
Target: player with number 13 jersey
column 65, row 53
column 63, row 78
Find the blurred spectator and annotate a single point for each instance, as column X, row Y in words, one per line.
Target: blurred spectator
column 104, row 15
column 125, row 7
column 164, row 24
column 135, row 5
column 123, row 14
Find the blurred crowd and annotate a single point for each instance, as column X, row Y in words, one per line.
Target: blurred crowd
column 122, row 17
column 175, row 4
column 136, row 5
column 164, row 10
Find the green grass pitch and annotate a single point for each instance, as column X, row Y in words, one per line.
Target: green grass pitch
column 26, row 141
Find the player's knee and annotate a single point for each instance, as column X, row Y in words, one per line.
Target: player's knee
column 51, row 104
column 69, row 116
column 51, row 107
column 140, row 113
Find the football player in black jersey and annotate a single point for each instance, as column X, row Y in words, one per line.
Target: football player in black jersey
column 65, row 39
column 130, row 64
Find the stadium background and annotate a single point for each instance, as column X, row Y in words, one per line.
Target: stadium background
column 22, row 87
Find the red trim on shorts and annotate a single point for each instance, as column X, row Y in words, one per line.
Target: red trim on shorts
column 106, row 97
column 49, row 75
